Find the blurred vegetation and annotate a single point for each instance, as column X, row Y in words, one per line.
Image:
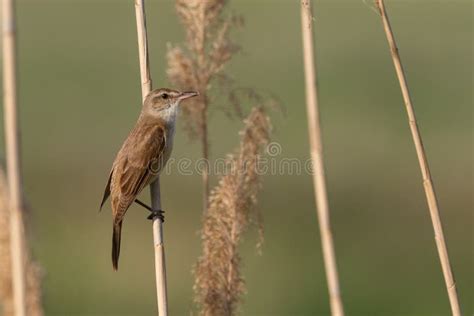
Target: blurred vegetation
column 80, row 96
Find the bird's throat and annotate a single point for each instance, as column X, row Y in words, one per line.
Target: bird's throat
column 169, row 116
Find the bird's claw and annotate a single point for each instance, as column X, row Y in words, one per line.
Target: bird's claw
column 157, row 214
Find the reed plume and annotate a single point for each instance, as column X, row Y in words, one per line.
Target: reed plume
column 33, row 271
column 195, row 65
column 232, row 207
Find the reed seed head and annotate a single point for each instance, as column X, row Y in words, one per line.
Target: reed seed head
column 219, row 285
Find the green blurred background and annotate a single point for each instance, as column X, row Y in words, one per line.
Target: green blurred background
column 80, row 95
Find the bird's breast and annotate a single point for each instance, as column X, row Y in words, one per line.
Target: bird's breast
column 168, row 148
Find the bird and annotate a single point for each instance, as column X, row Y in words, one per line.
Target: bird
column 142, row 157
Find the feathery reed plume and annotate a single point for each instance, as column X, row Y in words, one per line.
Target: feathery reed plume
column 33, row 271
column 33, row 287
column 424, row 167
column 208, row 49
column 219, row 284
column 319, row 178
column 6, row 291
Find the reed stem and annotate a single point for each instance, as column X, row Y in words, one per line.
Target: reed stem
column 12, row 143
column 425, row 170
column 146, row 84
column 319, row 181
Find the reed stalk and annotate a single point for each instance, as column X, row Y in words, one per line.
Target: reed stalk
column 146, row 84
column 319, row 181
column 12, row 142
column 423, row 161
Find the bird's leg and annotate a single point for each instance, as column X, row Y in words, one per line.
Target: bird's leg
column 154, row 213
column 143, row 204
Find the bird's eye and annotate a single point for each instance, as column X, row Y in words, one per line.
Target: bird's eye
column 164, row 96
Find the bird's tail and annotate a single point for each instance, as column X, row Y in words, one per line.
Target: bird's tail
column 117, row 232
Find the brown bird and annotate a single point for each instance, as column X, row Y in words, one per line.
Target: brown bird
column 142, row 157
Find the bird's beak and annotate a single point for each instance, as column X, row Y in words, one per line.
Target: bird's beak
column 187, row 95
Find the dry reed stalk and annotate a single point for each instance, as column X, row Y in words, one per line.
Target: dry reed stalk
column 208, row 49
column 425, row 170
column 20, row 285
column 146, row 84
column 319, row 180
column 13, row 157
column 33, row 271
column 219, row 284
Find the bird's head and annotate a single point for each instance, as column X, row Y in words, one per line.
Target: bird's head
column 164, row 102
column 163, row 98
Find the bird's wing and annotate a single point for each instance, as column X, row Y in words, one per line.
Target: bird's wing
column 106, row 191
column 137, row 166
